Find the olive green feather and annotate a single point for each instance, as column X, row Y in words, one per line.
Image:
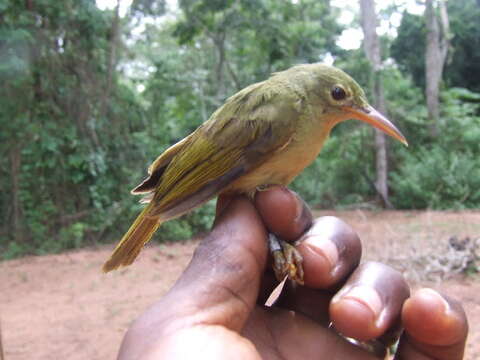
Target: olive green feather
column 265, row 134
column 239, row 136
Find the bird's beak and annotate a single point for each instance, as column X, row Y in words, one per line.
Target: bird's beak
column 371, row 116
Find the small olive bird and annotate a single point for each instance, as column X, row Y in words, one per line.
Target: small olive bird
column 265, row 134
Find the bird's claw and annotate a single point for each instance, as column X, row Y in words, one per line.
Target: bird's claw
column 287, row 260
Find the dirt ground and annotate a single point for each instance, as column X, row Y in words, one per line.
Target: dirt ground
column 63, row 307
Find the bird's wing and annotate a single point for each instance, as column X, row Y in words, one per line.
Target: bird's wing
column 156, row 169
column 239, row 136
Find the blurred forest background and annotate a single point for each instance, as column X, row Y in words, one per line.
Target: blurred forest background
column 91, row 92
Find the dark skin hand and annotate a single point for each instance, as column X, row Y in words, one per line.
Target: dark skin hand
column 215, row 310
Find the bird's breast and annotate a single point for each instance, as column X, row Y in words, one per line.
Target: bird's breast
column 283, row 166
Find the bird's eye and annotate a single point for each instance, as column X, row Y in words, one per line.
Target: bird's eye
column 338, row 93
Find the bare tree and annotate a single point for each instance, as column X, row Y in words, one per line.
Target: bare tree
column 435, row 56
column 17, row 213
column 371, row 46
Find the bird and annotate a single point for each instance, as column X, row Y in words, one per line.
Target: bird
column 263, row 135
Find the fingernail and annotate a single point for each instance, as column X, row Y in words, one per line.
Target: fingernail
column 298, row 207
column 303, row 215
column 431, row 296
column 324, row 248
column 363, row 295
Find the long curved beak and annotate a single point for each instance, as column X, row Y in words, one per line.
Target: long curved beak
column 371, row 116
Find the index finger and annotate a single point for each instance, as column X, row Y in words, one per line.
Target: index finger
column 283, row 212
column 329, row 247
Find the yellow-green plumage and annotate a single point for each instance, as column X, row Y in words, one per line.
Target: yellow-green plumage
column 265, row 134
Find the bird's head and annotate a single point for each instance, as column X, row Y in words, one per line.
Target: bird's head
column 342, row 98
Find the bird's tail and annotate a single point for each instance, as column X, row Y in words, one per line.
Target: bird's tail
column 133, row 241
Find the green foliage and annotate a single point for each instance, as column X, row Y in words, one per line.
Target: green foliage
column 148, row 7
column 257, row 37
column 342, row 174
column 463, row 65
column 408, row 48
column 463, row 69
column 65, row 124
column 87, row 102
column 13, row 249
column 444, row 175
column 188, row 226
column 435, row 177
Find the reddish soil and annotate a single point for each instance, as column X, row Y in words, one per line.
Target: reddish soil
column 63, row 307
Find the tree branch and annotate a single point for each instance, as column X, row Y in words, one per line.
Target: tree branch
column 69, row 218
column 234, row 77
column 445, row 38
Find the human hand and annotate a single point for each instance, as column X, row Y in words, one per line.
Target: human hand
column 215, row 310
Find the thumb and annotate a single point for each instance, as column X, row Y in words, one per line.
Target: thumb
column 221, row 283
column 223, row 278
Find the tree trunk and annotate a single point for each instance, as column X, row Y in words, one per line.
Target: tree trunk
column 219, row 41
column 435, row 56
column 15, row 162
column 371, row 45
column 112, row 57
column 381, row 156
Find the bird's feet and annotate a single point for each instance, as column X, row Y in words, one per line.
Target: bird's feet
column 287, row 260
